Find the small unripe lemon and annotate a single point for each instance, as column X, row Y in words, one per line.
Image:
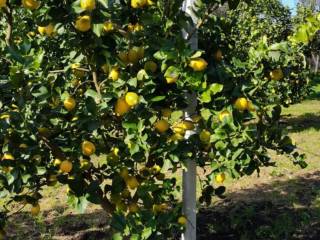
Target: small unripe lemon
column 69, row 103
column 276, row 74
column 83, row 23
column 150, row 66
column 123, row 57
column 50, row 29
column 3, row 3
column 122, row 107
column 132, row 182
column 133, row 208
column 138, row 3
column 30, row 4
column 218, row 55
column 241, row 104
column 162, row 126
column 198, row 64
column 166, row 112
column 124, row 173
column 182, row 220
column 88, row 5
column 220, row 177
column 205, row 136
column 66, row 166
column 133, row 56
column 224, row 115
column 114, row 74
column 140, row 52
column 35, row 209
column 88, row 148
column 132, row 99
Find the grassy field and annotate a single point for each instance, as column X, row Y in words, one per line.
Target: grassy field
column 282, row 203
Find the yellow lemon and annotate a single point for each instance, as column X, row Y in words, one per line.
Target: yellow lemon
column 108, row 27
column 3, row 3
column 88, row 5
column 69, row 103
column 132, row 182
column 57, row 162
column 30, row 4
column 182, row 220
column 50, row 29
column 150, row 66
column 198, row 64
column 132, row 99
column 122, row 107
column 162, row 126
column 276, row 74
column 35, row 209
column 138, row 27
column 241, row 104
column 42, row 30
column 66, row 166
column 224, row 115
column 179, row 128
column 205, row 136
column 8, row 156
column 83, row 23
column 114, row 74
column 138, row 3
column 88, row 148
column 220, row 177
column 218, row 56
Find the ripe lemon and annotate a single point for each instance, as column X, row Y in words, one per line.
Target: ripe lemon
column 205, row 136
column 66, row 166
column 108, row 27
column 88, row 5
column 35, row 209
column 220, row 177
column 132, row 182
column 156, row 169
column 69, row 103
column 138, row 3
column 3, row 3
column 133, row 208
column 8, row 156
column 114, row 74
column 218, row 56
column 42, row 30
column 224, row 115
column 135, row 27
column 122, row 107
column 179, row 128
column 132, row 99
column 182, row 220
column 57, row 162
column 133, row 56
column 83, row 23
column 198, row 64
column 150, row 66
column 276, row 74
column 166, row 112
column 30, row 4
column 241, row 104
column 162, row 126
column 88, row 148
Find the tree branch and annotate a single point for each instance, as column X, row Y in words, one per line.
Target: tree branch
column 95, row 81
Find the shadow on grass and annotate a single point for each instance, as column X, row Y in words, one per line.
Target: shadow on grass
column 279, row 210
column 302, row 122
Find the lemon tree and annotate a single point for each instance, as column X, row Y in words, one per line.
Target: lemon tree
column 92, row 96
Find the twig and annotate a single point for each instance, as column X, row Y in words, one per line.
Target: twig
column 8, row 12
column 62, row 70
column 95, row 81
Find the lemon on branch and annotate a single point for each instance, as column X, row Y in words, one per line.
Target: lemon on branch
column 138, row 3
column 114, row 74
column 205, row 136
column 150, row 66
column 182, row 220
column 198, row 64
column 220, row 177
column 88, row 5
column 30, row 4
column 66, row 166
column 132, row 99
column 162, row 126
column 88, row 148
column 122, row 107
column 108, row 26
column 241, row 104
column 35, row 209
column 8, row 156
column 83, row 23
column 276, row 74
column 3, row 3
column 69, row 103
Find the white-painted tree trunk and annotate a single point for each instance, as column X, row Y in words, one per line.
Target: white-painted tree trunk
column 189, row 175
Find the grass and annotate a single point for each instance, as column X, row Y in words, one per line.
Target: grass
column 283, row 203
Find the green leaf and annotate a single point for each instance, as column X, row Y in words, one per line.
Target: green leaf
column 205, row 114
column 158, row 98
column 165, row 55
column 117, row 236
column 216, row 88
column 146, row 233
column 98, row 29
column 175, row 116
column 93, row 94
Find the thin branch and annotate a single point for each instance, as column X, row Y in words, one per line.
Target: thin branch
column 8, row 13
column 63, row 71
column 95, row 81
